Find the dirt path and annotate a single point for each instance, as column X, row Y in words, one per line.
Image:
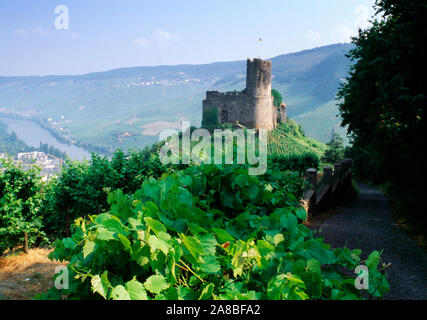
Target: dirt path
column 367, row 224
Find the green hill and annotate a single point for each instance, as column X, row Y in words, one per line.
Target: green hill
column 128, row 107
column 290, row 139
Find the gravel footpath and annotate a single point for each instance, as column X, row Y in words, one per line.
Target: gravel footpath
column 367, row 224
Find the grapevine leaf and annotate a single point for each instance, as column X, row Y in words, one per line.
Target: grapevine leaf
column 222, row 235
column 101, row 284
column 278, row 238
column 69, row 243
column 240, row 180
column 120, row 293
column 313, row 266
column 298, row 267
column 114, row 225
column 151, row 189
column 210, row 265
column 264, row 248
column 155, row 225
column 253, row 191
column 301, row 214
column 193, row 245
column 125, row 241
column 158, row 244
column 104, row 234
column 288, row 221
column 186, row 180
column 373, row 260
column 207, row 292
column 140, row 253
column 88, row 248
column 209, row 243
column 185, row 293
column 156, row 284
column 196, row 229
column 136, row 290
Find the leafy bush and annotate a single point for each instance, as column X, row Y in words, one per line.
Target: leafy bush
column 208, row 232
column 298, row 163
column 277, row 98
column 210, row 118
column 81, row 187
column 21, row 199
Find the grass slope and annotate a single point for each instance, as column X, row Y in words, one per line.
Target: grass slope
column 290, row 139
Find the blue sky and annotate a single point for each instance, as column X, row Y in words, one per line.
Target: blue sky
column 109, row 34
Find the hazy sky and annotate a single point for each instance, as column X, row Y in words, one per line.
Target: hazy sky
column 107, row 34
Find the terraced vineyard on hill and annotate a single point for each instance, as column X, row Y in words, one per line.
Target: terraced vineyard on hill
column 290, row 139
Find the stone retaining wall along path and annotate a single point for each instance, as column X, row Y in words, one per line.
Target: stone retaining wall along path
column 367, row 224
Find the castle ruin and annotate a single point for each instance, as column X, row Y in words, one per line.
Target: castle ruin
column 252, row 107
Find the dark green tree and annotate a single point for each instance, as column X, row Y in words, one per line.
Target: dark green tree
column 336, row 149
column 278, row 99
column 384, row 99
column 81, row 188
column 21, row 198
column 210, row 118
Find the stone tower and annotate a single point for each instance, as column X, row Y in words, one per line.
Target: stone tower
column 283, row 113
column 253, row 107
column 258, row 90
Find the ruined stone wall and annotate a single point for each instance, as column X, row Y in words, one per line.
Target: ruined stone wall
column 253, row 107
column 232, row 106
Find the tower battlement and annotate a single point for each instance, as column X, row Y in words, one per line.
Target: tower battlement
column 258, row 78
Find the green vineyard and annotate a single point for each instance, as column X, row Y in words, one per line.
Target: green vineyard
column 290, row 139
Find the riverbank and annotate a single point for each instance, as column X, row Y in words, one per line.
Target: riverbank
column 32, row 133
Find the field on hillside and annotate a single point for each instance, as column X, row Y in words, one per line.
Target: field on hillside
column 290, row 139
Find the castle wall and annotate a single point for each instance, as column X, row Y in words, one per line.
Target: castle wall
column 232, row 106
column 262, row 113
column 253, row 107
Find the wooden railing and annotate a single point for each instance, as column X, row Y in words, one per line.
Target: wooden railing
column 333, row 184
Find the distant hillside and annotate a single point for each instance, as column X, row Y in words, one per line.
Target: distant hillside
column 128, row 107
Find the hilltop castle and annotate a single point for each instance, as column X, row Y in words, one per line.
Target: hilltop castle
column 252, row 107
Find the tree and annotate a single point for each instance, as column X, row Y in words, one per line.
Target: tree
column 81, row 188
column 21, row 200
column 210, row 118
column 384, row 98
column 335, row 151
column 277, row 98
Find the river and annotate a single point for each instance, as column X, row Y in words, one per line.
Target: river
column 32, row 133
